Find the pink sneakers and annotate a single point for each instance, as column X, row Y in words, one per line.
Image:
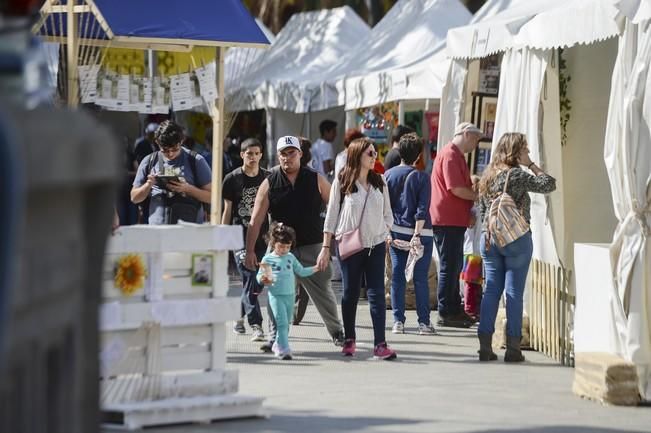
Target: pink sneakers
column 349, row 347
column 382, row 351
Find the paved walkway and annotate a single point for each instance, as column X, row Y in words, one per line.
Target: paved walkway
column 435, row 385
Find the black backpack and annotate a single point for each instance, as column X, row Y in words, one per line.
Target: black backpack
column 180, row 207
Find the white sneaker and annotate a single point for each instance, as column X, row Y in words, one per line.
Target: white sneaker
column 257, row 333
column 398, row 328
column 424, row 329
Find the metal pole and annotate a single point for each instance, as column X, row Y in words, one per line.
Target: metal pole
column 73, row 83
column 218, row 142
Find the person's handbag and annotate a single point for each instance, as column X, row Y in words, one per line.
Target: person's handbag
column 505, row 222
column 350, row 242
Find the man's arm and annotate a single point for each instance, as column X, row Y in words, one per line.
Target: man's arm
column 140, row 193
column 324, row 188
column 259, row 213
column 464, row 193
column 226, row 215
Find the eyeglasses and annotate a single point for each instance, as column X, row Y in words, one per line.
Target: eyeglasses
column 170, row 150
column 372, row 153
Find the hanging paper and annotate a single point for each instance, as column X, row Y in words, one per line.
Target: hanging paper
column 160, row 95
column 185, row 92
column 88, row 83
column 207, row 85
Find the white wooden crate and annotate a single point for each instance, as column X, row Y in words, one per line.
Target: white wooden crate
column 162, row 350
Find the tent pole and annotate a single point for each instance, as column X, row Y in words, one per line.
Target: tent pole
column 218, row 143
column 73, row 90
column 401, row 112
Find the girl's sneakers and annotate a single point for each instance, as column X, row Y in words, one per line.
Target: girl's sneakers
column 349, row 347
column 382, row 351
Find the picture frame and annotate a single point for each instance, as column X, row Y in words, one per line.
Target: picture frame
column 202, row 270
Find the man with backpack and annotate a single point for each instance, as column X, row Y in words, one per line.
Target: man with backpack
column 452, row 200
column 176, row 180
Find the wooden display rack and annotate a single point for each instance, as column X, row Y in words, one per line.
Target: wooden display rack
column 162, row 351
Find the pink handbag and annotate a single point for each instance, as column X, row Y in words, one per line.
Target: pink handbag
column 350, row 242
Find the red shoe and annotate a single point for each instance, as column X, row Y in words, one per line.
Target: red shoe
column 349, row 347
column 382, row 351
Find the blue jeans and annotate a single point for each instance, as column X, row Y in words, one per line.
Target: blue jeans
column 505, row 269
column 370, row 263
column 449, row 244
column 250, row 290
column 399, row 283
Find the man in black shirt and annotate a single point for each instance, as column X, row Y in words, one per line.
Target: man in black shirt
column 294, row 195
column 392, row 158
column 239, row 190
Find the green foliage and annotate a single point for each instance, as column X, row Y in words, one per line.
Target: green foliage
column 564, row 79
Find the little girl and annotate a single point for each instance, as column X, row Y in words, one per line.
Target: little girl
column 277, row 269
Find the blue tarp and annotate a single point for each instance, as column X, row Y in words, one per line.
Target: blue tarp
column 199, row 20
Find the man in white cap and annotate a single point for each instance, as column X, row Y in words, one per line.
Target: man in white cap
column 294, row 195
column 452, row 200
column 146, row 144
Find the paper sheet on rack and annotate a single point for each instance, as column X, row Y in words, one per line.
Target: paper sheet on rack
column 88, row 83
column 207, row 84
column 185, row 92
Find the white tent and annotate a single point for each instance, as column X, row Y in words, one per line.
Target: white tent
column 239, row 61
column 582, row 211
column 627, row 154
column 403, row 58
column 310, row 43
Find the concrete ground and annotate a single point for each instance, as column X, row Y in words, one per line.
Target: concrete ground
column 435, row 385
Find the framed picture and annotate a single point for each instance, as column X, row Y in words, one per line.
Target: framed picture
column 482, row 157
column 202, row 266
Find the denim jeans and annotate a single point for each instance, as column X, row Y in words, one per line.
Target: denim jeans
column 505, row 269
column 449, row 244
column 421, row 284
column 368, row 262
column 250, row 290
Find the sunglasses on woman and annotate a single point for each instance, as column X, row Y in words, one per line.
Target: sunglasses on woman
column 372, row 153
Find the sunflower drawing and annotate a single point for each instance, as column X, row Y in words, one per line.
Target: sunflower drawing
column 130, row 274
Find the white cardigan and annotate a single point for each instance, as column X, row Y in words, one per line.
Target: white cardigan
column 378, row 217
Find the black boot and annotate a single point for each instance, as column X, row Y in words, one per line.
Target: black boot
column 513, row 352
column 486, row 347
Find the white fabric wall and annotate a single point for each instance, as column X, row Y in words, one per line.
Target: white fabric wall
column 585, row 180
column 452, row 101
column 521, row 81
column 628, row 158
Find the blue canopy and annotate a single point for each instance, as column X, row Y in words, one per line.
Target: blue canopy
column 195, row 22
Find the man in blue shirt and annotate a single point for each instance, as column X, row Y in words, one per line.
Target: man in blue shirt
column 176, row 200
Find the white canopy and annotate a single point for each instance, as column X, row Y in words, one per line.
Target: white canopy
column 404, row 56
column 239, row 61
column 541, row 24
column 309, row 44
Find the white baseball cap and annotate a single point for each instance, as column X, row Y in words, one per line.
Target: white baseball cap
column 152, row 127
column 288, row 141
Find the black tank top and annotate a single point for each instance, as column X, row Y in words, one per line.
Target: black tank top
column 298, row 205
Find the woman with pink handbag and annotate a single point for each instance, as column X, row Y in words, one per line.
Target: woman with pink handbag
column 359, row 216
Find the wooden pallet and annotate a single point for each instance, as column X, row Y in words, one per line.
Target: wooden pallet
column 137, row 415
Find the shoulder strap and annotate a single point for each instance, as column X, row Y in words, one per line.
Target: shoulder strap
column 193, row 164
column 506, row 182
column 153, row 159
column 364, row 207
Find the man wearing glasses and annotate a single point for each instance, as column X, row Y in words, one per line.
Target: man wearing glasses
column 294, row 195
column 176, row 179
